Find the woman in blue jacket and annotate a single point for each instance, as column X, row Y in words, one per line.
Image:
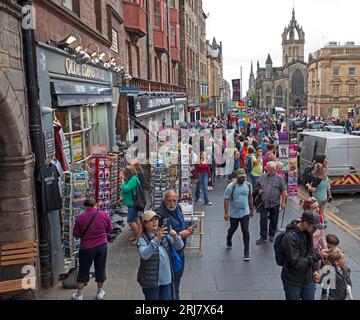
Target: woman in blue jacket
column 155, row 275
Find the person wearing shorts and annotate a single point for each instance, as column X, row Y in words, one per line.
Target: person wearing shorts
column 92, row 227
column 128, row 192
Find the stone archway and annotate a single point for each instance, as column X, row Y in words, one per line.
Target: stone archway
column 17, row 214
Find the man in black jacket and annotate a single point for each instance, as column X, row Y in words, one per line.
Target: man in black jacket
column 299, row 271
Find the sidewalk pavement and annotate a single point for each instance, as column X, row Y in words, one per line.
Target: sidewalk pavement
column 219, row 273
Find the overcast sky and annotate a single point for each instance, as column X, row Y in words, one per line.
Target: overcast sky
column 250, row 29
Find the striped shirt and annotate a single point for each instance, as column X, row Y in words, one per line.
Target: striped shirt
column 272, row 185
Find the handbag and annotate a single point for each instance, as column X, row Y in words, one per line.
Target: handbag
column 71, row 279
column 177, row 262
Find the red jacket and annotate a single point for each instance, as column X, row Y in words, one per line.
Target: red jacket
column 201, row 168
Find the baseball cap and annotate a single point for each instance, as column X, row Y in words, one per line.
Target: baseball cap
column 240, row 173
column 148, row 215
column 312, row 218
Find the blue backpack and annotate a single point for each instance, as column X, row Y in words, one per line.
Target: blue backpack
column 278, row 248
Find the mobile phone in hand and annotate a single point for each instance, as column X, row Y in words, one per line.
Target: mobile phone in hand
column 166, row 224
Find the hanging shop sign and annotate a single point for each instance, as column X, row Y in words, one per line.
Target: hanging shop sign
column 49, row 143
column 175, row 116
column 142, row 104
column 129, row 90
column 157, row 103
column 83, row 70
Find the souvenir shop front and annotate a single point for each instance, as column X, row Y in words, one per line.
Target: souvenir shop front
column 194, row 113
column 79, row 132
column 152, row 113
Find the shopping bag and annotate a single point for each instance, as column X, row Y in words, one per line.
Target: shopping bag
column 70, row 281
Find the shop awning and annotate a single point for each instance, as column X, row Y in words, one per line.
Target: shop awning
column 147, row 113
column 69, row 94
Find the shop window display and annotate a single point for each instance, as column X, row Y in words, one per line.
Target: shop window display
column 77, row 126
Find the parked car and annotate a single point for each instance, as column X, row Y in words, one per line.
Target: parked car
column 314, row 126
column 342, row 152
column 338, row 129
column 297, row 124
column 355, row 133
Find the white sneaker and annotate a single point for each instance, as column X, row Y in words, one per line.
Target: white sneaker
column 199, row 200
column 77, row 296
column 100, row 295
column 210, row 188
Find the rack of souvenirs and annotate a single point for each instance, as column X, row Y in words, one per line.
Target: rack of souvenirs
column 185, row 176
column 75, row 191
column 120, row 167
column 104, row 180
column 160, row 175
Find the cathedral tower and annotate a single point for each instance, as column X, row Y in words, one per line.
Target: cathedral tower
column 293, row 42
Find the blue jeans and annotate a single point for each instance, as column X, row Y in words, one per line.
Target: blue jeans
column 203, row 181
column 254, row 180
column 177, row 277
column 296, row 293
column 273, row 215
column 160, row 293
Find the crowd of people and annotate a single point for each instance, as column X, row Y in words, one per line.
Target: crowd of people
column 255, row 183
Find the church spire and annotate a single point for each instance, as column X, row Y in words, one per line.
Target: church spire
column 252, row 70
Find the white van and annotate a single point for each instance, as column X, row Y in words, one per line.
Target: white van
column 342, row 152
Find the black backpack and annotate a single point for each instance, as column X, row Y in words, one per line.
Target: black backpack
column 278, row 248
column 307, row 176
column 139, row 199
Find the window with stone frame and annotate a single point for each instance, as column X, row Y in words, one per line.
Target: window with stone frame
column 351, row 72
column 351, row 89
column 157, row 14
column 268, row 101
column 73, row 5
column 336, row 89
column 297, row 83
column 279, row 96
column 336, row 72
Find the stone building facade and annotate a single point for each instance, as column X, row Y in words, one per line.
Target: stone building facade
column 17, row 204
column 334, row 77
column 216, row 83
column 17, row 211
column 284, row 86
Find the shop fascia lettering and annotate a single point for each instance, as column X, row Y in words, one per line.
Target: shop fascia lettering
column 155, row 103
column 83, row 70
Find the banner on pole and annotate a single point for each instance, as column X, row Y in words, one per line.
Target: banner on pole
column 236, row 90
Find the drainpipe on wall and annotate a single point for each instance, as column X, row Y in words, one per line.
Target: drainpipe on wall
column 149, row 73
column 168, row 38
column 37, row 145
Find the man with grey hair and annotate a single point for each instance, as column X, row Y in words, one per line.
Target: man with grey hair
column 274, row 190
column 170, row 209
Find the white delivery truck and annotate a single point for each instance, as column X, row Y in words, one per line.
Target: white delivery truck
column 342, row 152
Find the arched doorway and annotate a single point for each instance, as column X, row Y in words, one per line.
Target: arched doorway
column 17, row 218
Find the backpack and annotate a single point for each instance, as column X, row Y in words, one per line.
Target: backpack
column 139, row 199
column 307, row 176
column 278, row 248
column 248, row 163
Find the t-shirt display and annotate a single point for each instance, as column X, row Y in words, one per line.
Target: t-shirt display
column 48, row 178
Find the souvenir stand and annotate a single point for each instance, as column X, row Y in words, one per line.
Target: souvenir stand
column 193, row 218
column 75, row 191
column 159, row 184
column 103, row 176
column 185, row 175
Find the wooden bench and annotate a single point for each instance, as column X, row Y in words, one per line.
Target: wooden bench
column 17, row 254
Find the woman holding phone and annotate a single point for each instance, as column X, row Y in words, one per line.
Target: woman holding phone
column 155, row 274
